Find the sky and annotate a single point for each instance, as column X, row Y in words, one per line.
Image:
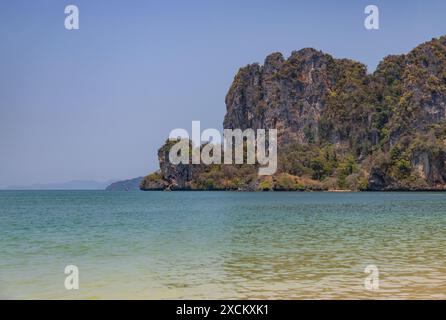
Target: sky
column 96, row 103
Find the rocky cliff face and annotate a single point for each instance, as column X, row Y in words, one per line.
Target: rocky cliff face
column 289, row 95
column 338, row 127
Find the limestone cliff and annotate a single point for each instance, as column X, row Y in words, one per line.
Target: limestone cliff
column 338, row 126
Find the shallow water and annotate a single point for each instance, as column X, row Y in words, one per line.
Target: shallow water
column 221, row 245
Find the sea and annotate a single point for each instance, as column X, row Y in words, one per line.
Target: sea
column 222, row 245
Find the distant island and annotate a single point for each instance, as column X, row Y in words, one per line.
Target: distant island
column 111, row 185
column 125, row 185
column 339, row 128
column 70, row 185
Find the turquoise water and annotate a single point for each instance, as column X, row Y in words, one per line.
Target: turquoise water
column 157, row 245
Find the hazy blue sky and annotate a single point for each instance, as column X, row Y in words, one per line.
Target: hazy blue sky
column 97, row 103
